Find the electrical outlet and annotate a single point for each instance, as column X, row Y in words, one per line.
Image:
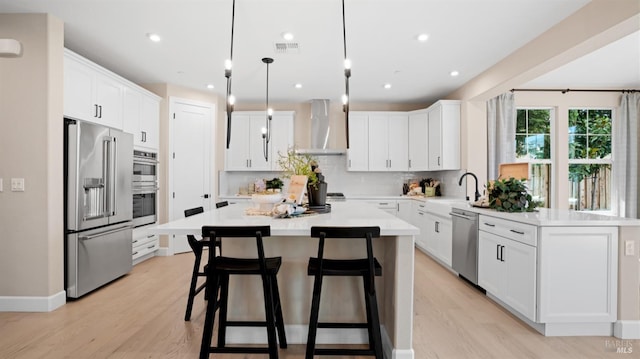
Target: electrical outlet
column 629, row 248
column 17, row 185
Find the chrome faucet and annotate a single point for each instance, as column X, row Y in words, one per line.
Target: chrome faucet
column 477, row 194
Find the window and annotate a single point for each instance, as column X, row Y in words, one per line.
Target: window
column 590, row 159
column 533, row 145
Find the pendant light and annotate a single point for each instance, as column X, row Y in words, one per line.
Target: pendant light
column 266, row 131
column 231, row 100
column 347, row 74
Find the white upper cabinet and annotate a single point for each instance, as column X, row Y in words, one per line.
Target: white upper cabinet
column 385, row 147
column 141, row 118
column 246, row 151
column 358, row 152
column 94, row 94
column 444, row 135
column 91, row 93
column 418, row 141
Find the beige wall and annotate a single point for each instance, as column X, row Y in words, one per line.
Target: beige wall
column 31, row 147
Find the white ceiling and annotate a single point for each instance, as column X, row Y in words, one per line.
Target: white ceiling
column 465, row 35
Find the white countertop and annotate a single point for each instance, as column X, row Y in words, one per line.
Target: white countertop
column 555, row 217
column 347, row 214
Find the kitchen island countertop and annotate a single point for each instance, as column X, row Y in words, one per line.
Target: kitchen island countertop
column 554, row 217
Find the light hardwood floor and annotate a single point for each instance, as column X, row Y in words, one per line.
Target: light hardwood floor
column 141, row 316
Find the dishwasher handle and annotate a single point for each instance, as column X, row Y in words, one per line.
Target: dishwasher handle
column 459, row 215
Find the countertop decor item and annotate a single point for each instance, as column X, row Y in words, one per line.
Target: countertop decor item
column 510, row 195
column 293, row 163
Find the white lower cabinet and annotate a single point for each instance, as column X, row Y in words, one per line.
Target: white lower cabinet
column 419, row 220
column 144, row 245
column 578, row 274
column 439, row 237
column 405, row 210
column 507, row 269
column 561, row 278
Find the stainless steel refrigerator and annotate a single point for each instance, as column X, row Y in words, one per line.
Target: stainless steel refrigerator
column 98, row 206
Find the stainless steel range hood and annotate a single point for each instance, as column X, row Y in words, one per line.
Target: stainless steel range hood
column 320, row 131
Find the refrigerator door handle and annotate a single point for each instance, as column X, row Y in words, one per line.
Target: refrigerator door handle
column 106, row 178
column 114, row 177
column 84, row 238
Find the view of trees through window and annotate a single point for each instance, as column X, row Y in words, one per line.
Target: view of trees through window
column 590, row 159
column 533, row 145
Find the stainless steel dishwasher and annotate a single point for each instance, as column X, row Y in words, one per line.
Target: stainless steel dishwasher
column 464, row 258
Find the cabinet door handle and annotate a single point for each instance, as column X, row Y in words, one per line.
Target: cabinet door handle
column 437, row 227
column 383, row 203
column 95, row 107
column 517, row 232
column 409, row 163
column 250, row 163
column 489, row 224
column 421, row 213
column 438, row 160
column 389, row 163
column 100, row 108
column 497, row 252
column 150, row 236
column 501, row 254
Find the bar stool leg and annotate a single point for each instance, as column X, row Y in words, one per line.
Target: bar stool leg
column 192, row 287
column 223, row 305
column 368, row 311
column 207, row 332
column 372, row 306
column 270, row 317
column 282, row 336
column 313, row 320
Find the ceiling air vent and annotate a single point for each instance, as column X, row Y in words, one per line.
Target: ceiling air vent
column 287, row 48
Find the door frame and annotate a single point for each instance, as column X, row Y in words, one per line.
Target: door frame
column 210, row 127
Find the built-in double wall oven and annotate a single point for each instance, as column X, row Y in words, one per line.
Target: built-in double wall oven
column 145, row 188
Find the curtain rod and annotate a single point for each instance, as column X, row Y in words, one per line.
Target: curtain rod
column 574, row 90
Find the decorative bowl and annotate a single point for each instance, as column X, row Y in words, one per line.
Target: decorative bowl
column 265, row 201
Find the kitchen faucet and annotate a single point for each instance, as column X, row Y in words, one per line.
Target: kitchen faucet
column 477, row 194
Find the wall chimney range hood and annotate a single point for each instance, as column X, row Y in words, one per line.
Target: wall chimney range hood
column 320, row 130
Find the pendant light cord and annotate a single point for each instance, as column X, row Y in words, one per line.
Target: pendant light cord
column 228, row 75
column 347, row 74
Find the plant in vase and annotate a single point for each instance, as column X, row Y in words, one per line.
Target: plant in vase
column 274, row 185
column 510, row 195
column 293, row 163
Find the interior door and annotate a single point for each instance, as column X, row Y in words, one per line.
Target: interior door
column 190, row 161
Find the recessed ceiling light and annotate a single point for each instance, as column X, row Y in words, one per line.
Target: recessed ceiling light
column 454, row 73
column 210, row 86
column 287, row 36
column 298, row 86
column 387, row 86
column 154, row 37
column 423, row 37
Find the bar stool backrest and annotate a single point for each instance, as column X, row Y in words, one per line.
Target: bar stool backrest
column 258, row 232
column 191, row 239
column 366, row 233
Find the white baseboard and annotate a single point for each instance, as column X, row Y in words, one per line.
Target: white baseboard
column 33, row 304
column 297, row 334
column 627, row 329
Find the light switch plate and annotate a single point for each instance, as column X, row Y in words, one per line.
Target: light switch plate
column 629, row 248
column 17, row 185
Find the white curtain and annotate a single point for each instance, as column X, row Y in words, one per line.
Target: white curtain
column 625, row 155
column 501, row 133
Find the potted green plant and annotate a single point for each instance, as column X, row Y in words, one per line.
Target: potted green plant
column 293, row 163
column 510, row 195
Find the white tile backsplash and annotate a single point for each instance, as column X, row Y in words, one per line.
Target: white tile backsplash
column 351, row 183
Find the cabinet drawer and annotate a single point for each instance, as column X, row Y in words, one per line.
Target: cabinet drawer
column 141, row 241
column 145, row 248
column 523, row 233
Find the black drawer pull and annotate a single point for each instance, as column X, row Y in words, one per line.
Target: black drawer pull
column 518, row 232
column 489, row 224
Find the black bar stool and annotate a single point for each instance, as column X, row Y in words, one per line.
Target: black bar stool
column 219, row 269
column 367, row 268
column 197, row 246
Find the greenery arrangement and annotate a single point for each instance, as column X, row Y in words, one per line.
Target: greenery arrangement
column 275, row 183
column 510, row 195
column 293, row 163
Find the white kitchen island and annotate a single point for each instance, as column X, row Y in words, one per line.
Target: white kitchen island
column 290, row 240
column 563, row 272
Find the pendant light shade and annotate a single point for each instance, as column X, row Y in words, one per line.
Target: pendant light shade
column 347, row 75
column 228, row 64
column 266, row 131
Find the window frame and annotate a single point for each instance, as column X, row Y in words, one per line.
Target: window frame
column 552, row 151
column 598, row 161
